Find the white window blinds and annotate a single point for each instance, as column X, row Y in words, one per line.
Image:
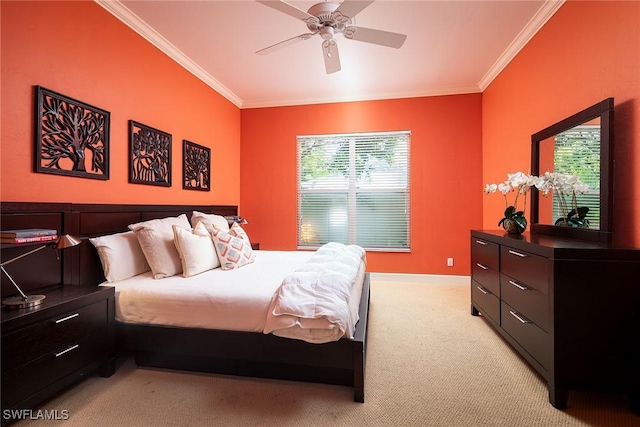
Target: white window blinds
column 577, row 152
column 354, row 189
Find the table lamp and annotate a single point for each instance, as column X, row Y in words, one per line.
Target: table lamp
column 26, row 301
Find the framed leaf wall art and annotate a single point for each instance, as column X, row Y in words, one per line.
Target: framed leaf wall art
column 71, row 137
column 149, row 155
column 196, row 166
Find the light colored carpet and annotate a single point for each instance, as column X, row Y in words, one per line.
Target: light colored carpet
column 429, row 363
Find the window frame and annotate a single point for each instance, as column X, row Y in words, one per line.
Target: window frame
column 353, row 190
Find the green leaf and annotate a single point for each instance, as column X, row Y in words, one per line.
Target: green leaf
column 508, row 213
column 521, row 223
column 583, row 211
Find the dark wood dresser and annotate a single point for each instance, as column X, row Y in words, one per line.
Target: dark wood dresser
column 571, row 308
column 48, row 347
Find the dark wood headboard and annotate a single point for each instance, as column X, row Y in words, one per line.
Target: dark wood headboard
column 79, row 265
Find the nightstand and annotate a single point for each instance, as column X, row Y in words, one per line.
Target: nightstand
column 48, row 347
column 255, row 246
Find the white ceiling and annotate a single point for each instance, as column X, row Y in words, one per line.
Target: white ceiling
column 452, row 47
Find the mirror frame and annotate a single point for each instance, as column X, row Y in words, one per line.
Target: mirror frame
column 604, row 111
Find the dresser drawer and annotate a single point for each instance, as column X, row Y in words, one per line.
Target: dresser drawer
column 486, row 302
column 44, row 337
column 526, row 300
column 24, row 381
column 534, row 340
column 531, row 270
column 485, row 264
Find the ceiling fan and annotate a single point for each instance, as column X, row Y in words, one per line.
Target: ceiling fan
column 327, row 19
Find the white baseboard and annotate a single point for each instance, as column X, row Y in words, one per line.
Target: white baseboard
column 429, row 279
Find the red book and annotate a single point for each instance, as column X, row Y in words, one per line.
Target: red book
column 28, row 239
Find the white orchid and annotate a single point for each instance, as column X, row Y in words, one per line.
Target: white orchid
column 520, row 183
column 566, row 185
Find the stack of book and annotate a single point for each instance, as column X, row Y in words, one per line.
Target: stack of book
column 28, row 235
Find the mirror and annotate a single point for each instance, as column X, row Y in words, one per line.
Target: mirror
column 579, row 145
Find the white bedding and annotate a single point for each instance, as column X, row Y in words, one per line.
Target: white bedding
column 313, row 303
column 230, row 300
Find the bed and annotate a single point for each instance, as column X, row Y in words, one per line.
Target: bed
column 208, row 348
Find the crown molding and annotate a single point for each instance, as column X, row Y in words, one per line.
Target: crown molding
column 368, row 97
column 546, row 11
column 130, row 19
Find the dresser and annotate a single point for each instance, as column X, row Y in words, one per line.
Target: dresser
column 48, row 347
column 570, row 308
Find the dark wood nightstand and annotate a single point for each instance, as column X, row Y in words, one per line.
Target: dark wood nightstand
column 255, row 246
column 50, row 346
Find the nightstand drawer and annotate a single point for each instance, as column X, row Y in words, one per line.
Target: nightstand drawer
column 526, row 300
column 51, row 334
column 534, row 340
column 487, row 303
column 531, row 270
column 24, row 381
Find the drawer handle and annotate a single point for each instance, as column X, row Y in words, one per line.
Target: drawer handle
column 64, row 319
column 482, row 266
column 518, row 317
column 522, row 288
column 517, row 254
column 482, row 290
column 480, row 242
column 73, row 347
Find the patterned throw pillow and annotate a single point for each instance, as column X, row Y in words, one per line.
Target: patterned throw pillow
column 238, row 231
column 232, row 248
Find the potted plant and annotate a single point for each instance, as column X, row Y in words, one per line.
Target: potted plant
column 514, row 221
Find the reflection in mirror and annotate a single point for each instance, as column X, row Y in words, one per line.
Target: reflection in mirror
column 576, row 152
column 580, row 145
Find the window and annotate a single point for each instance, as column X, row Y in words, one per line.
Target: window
column 354, row 189
column 577, row 152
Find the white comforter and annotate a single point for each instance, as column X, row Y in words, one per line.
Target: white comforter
column 313, row 303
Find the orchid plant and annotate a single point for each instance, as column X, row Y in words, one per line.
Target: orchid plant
column 566, row 186
column 520, row 184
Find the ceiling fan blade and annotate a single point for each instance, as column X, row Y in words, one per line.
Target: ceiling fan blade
column 351, row 8
column 290, row 10
column 285, row 43
column 369, row 35
column 331, row 56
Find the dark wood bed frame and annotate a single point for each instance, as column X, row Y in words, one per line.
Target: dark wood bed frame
column 204, row 350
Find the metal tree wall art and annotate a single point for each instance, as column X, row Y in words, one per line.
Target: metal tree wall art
column 150, row 155
column 71, row 137
column 196, row 167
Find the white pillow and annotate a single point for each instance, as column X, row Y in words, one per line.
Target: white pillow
column 233, row 251
column 196, row 250
column 156, row 240
column 120, row 255
column 210, row 220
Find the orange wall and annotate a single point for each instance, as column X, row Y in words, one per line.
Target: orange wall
column 82, row 51
column 446, row 172
column 458, row 142
column 586, row 52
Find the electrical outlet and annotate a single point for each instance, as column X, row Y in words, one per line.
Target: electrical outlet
column 449, row 262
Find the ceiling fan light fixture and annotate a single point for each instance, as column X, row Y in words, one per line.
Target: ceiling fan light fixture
column 327, row 33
